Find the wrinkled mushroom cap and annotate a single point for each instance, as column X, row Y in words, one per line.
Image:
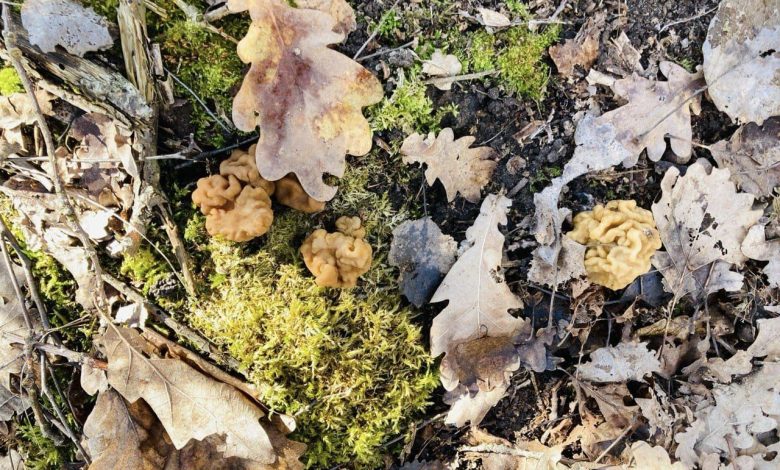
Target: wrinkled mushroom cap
column 250, row 216
column 621, row 239
column 337, row 259
column 243, row 166
column 216, row 192
column 290, row 193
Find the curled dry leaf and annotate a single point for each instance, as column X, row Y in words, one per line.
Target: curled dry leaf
column 460, row 169
column 702, row 220
column 424, row 255
column 307, row 99
column 733, row 422
column 492, row 18
column 189, row 404
column 757, row 247
column 647, row 457
column 626, row 361
column 340, row 10
column 581, row 51
column 568, row 264
column 65, row 23
column 13, row 329
column 742, row 59
column 476, row 332
column 441, row 65
column 753, row 156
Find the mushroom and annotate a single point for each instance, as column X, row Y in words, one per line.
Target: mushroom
column 216, row 192
column 243, row 166
column 337, row 259
column 290, row 193
column 621, row 239
column 250, row 216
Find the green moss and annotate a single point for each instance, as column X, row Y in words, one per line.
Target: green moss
column 40, row 452
column 409, row 109
column 9, row 82
column 516, row 53
column 349, row 364
column 145, row 269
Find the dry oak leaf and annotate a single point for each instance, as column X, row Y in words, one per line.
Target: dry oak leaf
column 742, row 59
column 189, row 404
column 13, row 329
column 580, row 51
column 441, row 65
column 753, row 156
column 647, row 457
column 655, row 110
column 340, row 10
column 626, row 361
column 307, row 99
column 478, row 307
column 423, row 254
column 732, row 424
column 757, row 247
column 460, row 169
column 65, row 23
column 702, row 220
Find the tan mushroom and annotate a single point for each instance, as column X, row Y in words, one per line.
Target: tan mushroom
column 337, row 259
column 621, row 239
column 249, row 217
column 290, row 193
column 243, row 166
column 216, row 192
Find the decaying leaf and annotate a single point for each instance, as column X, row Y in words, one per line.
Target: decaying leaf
column 477, row 319
column 307, row 99
column 756, row 246
column 626, row 361
column 581, row 51
column 492, row 18
column 65, row 23
column 753, row 156
column 13, row 329
column 441, row 65
column 647, row 457
column 133, row 315
column 424, row 255
column 460, row 169
column 17, row 109
column 340, row 10
column 702, row 220
column 189, row 404
column 494, row 453
column 568, row 264
column 733, row 422
column 742, row 59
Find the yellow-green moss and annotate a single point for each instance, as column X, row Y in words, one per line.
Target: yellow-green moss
column 10, row 82
column 145, row 269
column 517, row 54
column 409, row 108
column 349, row 364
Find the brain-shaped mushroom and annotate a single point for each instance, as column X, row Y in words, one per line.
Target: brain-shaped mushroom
column 621, row 239
column 250, row 216
column 290, row 193
column 338, row 259
column 242, row 165
column 216, row 192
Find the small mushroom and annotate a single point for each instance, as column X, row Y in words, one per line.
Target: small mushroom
column 621, row 239
column 249, row 217
column 243, row 166
column 290, row 193
column 216, row 192
column 338, row 259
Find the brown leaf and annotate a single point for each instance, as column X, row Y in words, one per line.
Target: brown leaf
column 702, row 220
column 478, row 307
column 581, row 51
column 307, row 99
column 65, row 23
column 753, row 156
column 756, row 246
column 742, row 60
column 626, row 361
column 17, row 109
column 460, row 169
column 340, row 10
column 189, row 404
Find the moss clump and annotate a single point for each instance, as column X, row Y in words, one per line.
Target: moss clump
column 517, row 55
column 409, row 109
column 10, row 82
column 350, row 364
column 40, row 452
column 145, row 269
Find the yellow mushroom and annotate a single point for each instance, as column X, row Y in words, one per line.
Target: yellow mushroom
column 337, row 259
column 243, row 166
column 290, row 193
column 621, row 239
column 249, row 217
column 216, row 192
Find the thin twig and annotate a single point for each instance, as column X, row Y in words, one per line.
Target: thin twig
column 223, row 124
column 685, row 20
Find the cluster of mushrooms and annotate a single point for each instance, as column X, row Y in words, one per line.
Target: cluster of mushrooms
column 237, row 205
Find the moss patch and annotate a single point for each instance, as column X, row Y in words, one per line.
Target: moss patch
column 10, row 82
